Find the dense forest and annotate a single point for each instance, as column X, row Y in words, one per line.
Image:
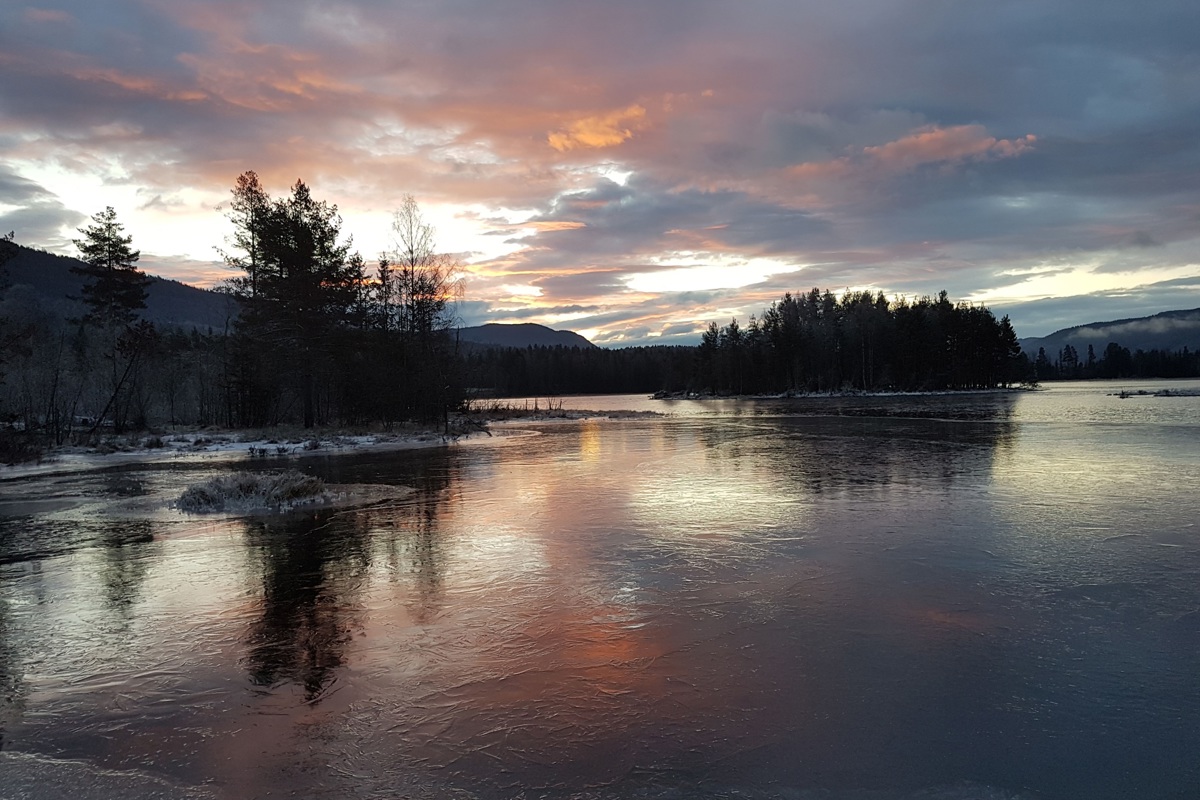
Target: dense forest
column 818, row 342
column 1115, row 361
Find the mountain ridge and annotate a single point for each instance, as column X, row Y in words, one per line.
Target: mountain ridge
column 53, row 286
column 521, row 334
column 169, row 303
column 1168, row 331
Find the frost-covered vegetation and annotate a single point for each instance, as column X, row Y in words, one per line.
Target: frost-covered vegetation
column 252, row 491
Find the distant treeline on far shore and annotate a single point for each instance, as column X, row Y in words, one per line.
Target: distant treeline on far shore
column 814, row 342
column 819, row 343
column 1115, row 361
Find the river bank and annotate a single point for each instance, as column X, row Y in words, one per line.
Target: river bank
column 286, row 444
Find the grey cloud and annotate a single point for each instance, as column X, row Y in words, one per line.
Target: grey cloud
column 803, row 136
column 644, row 218
column 581, row 284
column 17, row 190
column 538, row 311
column 672, row 331
column 40, row 218
column 478, row 312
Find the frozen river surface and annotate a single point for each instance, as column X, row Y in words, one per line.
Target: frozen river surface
column 978, row 596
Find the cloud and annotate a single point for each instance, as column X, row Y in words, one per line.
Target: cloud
column 187, row 270
column 1143, row 239
column 945, row 148
column 904, row 146
column 605, row 130
column 35, row 215
column 952, row 145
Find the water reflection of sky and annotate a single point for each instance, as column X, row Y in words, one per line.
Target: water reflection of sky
column 828, row 603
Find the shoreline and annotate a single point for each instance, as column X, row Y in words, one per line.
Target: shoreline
column 841, row 394
column 210, row 445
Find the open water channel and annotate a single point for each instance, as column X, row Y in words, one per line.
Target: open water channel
column 972, row 596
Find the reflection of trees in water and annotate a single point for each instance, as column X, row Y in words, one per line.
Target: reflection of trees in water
column 12, row 683
column 407, row 535
column 311, row 570
column 866, row 443
column 314, row 570
column 126, row 549
column 123, row 550
column 413, row 547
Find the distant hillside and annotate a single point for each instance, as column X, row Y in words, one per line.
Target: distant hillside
column 525, row 334
column 1169, row 331
column 169, row 303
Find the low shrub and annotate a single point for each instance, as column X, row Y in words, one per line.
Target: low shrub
column 249, row 491
column 19, row 448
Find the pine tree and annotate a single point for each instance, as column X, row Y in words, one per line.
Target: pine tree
column 8, row 249
column 115, row 290
column 250, row 214
column 301, row 285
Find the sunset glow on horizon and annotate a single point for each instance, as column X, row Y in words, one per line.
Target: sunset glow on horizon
column 637, row 170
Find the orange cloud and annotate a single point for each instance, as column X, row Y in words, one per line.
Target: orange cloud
column 602, row 130
column 551, row 225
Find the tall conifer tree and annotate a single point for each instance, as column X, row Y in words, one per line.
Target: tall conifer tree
column 115, row 289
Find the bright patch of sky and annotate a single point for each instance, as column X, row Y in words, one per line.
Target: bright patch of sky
column 1079, row 279
column 697, row 274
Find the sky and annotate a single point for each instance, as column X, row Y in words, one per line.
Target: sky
column 634, row 169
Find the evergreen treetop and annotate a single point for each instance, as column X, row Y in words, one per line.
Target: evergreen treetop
column 114, row 288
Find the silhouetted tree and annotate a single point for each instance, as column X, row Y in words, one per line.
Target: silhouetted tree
column 250, row 213
column 416, row 289
column 300, row 286
column 114, row 289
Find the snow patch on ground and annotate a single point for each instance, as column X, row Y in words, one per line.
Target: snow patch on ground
column 207, row 445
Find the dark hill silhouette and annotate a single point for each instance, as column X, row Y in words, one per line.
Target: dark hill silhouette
column 168, row 303
column 525, row 334
column 1169, row 331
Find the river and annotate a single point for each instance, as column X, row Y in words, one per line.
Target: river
column 967, row 596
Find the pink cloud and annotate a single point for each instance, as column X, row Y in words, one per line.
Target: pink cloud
column 951, row 145
column 857, row 175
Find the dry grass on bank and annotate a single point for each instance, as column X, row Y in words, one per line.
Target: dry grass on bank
column 252, row 491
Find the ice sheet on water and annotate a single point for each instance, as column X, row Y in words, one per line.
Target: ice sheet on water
column 959, row 791
column 30, row 777
column 25, row 776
